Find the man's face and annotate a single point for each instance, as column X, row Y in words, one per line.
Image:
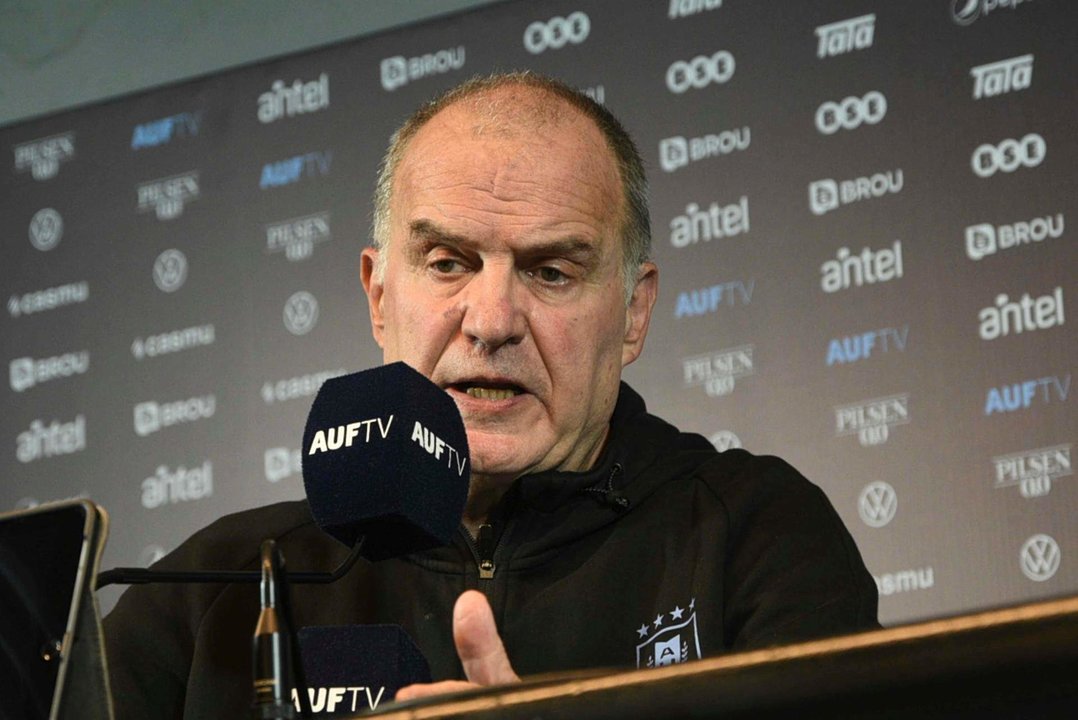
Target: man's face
column 502, row 285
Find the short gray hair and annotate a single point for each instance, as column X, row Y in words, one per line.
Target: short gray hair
column 636, row 225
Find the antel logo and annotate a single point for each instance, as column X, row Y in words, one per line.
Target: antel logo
column 170, row 270
column 851, row 112
column 301, row 313
column 877, row 504
column 557, row 32
column 700, row 72
column 965, row 12
column 296, row 99
column 1009, row 155
column 1039, row 557
column 46, row 229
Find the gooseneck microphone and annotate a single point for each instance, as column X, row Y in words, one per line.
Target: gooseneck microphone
column 272, row 643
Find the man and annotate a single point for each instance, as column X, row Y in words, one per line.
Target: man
column 510, row 266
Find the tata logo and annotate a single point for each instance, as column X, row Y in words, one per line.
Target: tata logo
column 965, row 12
column 1026, row 314
column 685, row 8
column 712, row 223
column 717, row 371
column 297, row 237
column 281, row 463
column 861, row 346
column 851, row 113
column 46, row 229
column 725, row 440
column 827, row 194
column 677, row 152
column 845, row 36
column 871, row 420
column 985, row 239
column 1008, row 155
column 877, row 504
column 301, row 313
column 1022, row 395
column 1033, row 471
column 165, row 130
column 398, row 71
column 671, row 638
column 296, row 99
column 169, row 487
column 694, row 303
column 557, row 32
column 700, row 72
column 43, row 157
column 292, row 170
column 167, row 197
column 1039, row 557
column 866, row 268
column 1002, row 76
column 170, row 270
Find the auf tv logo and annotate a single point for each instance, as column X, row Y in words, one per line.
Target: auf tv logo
column 164, row 130
column 1022, row 395
column 292, row 170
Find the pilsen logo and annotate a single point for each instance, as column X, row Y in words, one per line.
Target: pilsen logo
column 718, row 371
column 1033, row 470
column 168, row 196
column 42, row 157
column 669, row 639
column 871, row 420
column 296, row 237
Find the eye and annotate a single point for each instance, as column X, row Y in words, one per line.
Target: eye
column 550, row 275
column 446, row 266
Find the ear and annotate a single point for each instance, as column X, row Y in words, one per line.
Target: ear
column 638, row 313
column 375, row 289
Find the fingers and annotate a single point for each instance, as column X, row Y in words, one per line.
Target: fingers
column 412, row 692
column 478, row 644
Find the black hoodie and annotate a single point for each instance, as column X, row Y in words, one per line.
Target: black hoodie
column 665, row 551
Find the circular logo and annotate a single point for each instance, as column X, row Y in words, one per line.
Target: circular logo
column 965, row 12
column 150, row 554
column 725, row 440
column 1039, row 557
column 46, row 228
column 300, row 313
column 877, row 504
column 557, row 32
column 26, row 503
column 700, row 72
column 170, row 270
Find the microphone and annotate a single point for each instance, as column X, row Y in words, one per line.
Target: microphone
column 272, row 643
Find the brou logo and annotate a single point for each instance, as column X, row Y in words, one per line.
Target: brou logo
column 46, row 441
column 714, row 223
column 153, row 416
column 557, row 32
column 184, row 485
column 685, row 8
column 293, row 169
column 851, row 113
column 1020, row 395
column 298, row 236
column 707, row 300
column 27, row 372
column 1024, row 315
column 1009, row 155
column 168, row 196
column 280, row 463
column 346, row 435
column 670, row 639
column 295, row 99
column 870, row 420
column 1002, row 76
column 164, row 130
column 826, row 195
column 868, row 268
column 852, row 348
column 1033, row 470
column 845, row 36
column 717, row 371
column 44, row 156
column 677, row 152
column 398, row 70
column 986, row 239
column 700, row 72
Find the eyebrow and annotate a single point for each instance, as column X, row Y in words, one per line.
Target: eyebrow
column 576, row 248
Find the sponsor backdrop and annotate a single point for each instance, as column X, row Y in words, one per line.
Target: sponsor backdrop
column 860, row 210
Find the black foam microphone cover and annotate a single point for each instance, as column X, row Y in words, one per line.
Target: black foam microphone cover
column 385, row 455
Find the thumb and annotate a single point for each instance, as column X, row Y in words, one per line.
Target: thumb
column 478, row 644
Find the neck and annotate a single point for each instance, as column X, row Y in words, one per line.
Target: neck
column 484, row 493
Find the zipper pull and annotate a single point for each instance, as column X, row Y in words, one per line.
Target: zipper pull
column 485, row 546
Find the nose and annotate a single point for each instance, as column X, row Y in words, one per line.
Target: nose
column 493, row 314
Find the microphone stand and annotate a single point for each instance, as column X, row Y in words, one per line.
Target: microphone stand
column 271, row 654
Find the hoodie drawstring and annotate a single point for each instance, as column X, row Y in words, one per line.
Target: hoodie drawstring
column 608, row 494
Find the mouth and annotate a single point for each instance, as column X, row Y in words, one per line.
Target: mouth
column 488, row 389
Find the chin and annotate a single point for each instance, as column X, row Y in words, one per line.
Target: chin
column 498, row 457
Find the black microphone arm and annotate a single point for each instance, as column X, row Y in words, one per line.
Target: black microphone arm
column 139, row 576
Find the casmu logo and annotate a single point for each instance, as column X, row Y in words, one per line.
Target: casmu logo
column 870, row 420
column 700, row 72
column 1020, row 395
column 48, row 299
column 44, row 156
column 183, row 485
column 399, row 71
column 707, row 300
column 280, row 463
column 1002, row 76
column 685, row 8
column 1033, row 470
column 717, row 371
column 46, row 441
column 985, row 239
column 168, row 196
column 852, row 348
column 1009, row 155
column 826, row 195
column 436, row 447
column 677, row 152
column 300, row 386
column 844, row 36
column 297, row 237
column 557, row 32
column 345, row 435
column 714, row 223
column 964, row 12
column 851, row 113
column 153, row 416
column 163, row 131
column 294, row 169
column 295, row 99
column 28, row 372
column 326, row 699
column 905, row 581
column 868, row 268
column 1024, row 315
column 175, row 341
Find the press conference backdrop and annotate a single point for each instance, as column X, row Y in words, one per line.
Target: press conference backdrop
column 859, row 209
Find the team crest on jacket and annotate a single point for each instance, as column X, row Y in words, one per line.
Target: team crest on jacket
column 669, row 639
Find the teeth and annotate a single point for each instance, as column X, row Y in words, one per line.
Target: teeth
column 490, row 393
